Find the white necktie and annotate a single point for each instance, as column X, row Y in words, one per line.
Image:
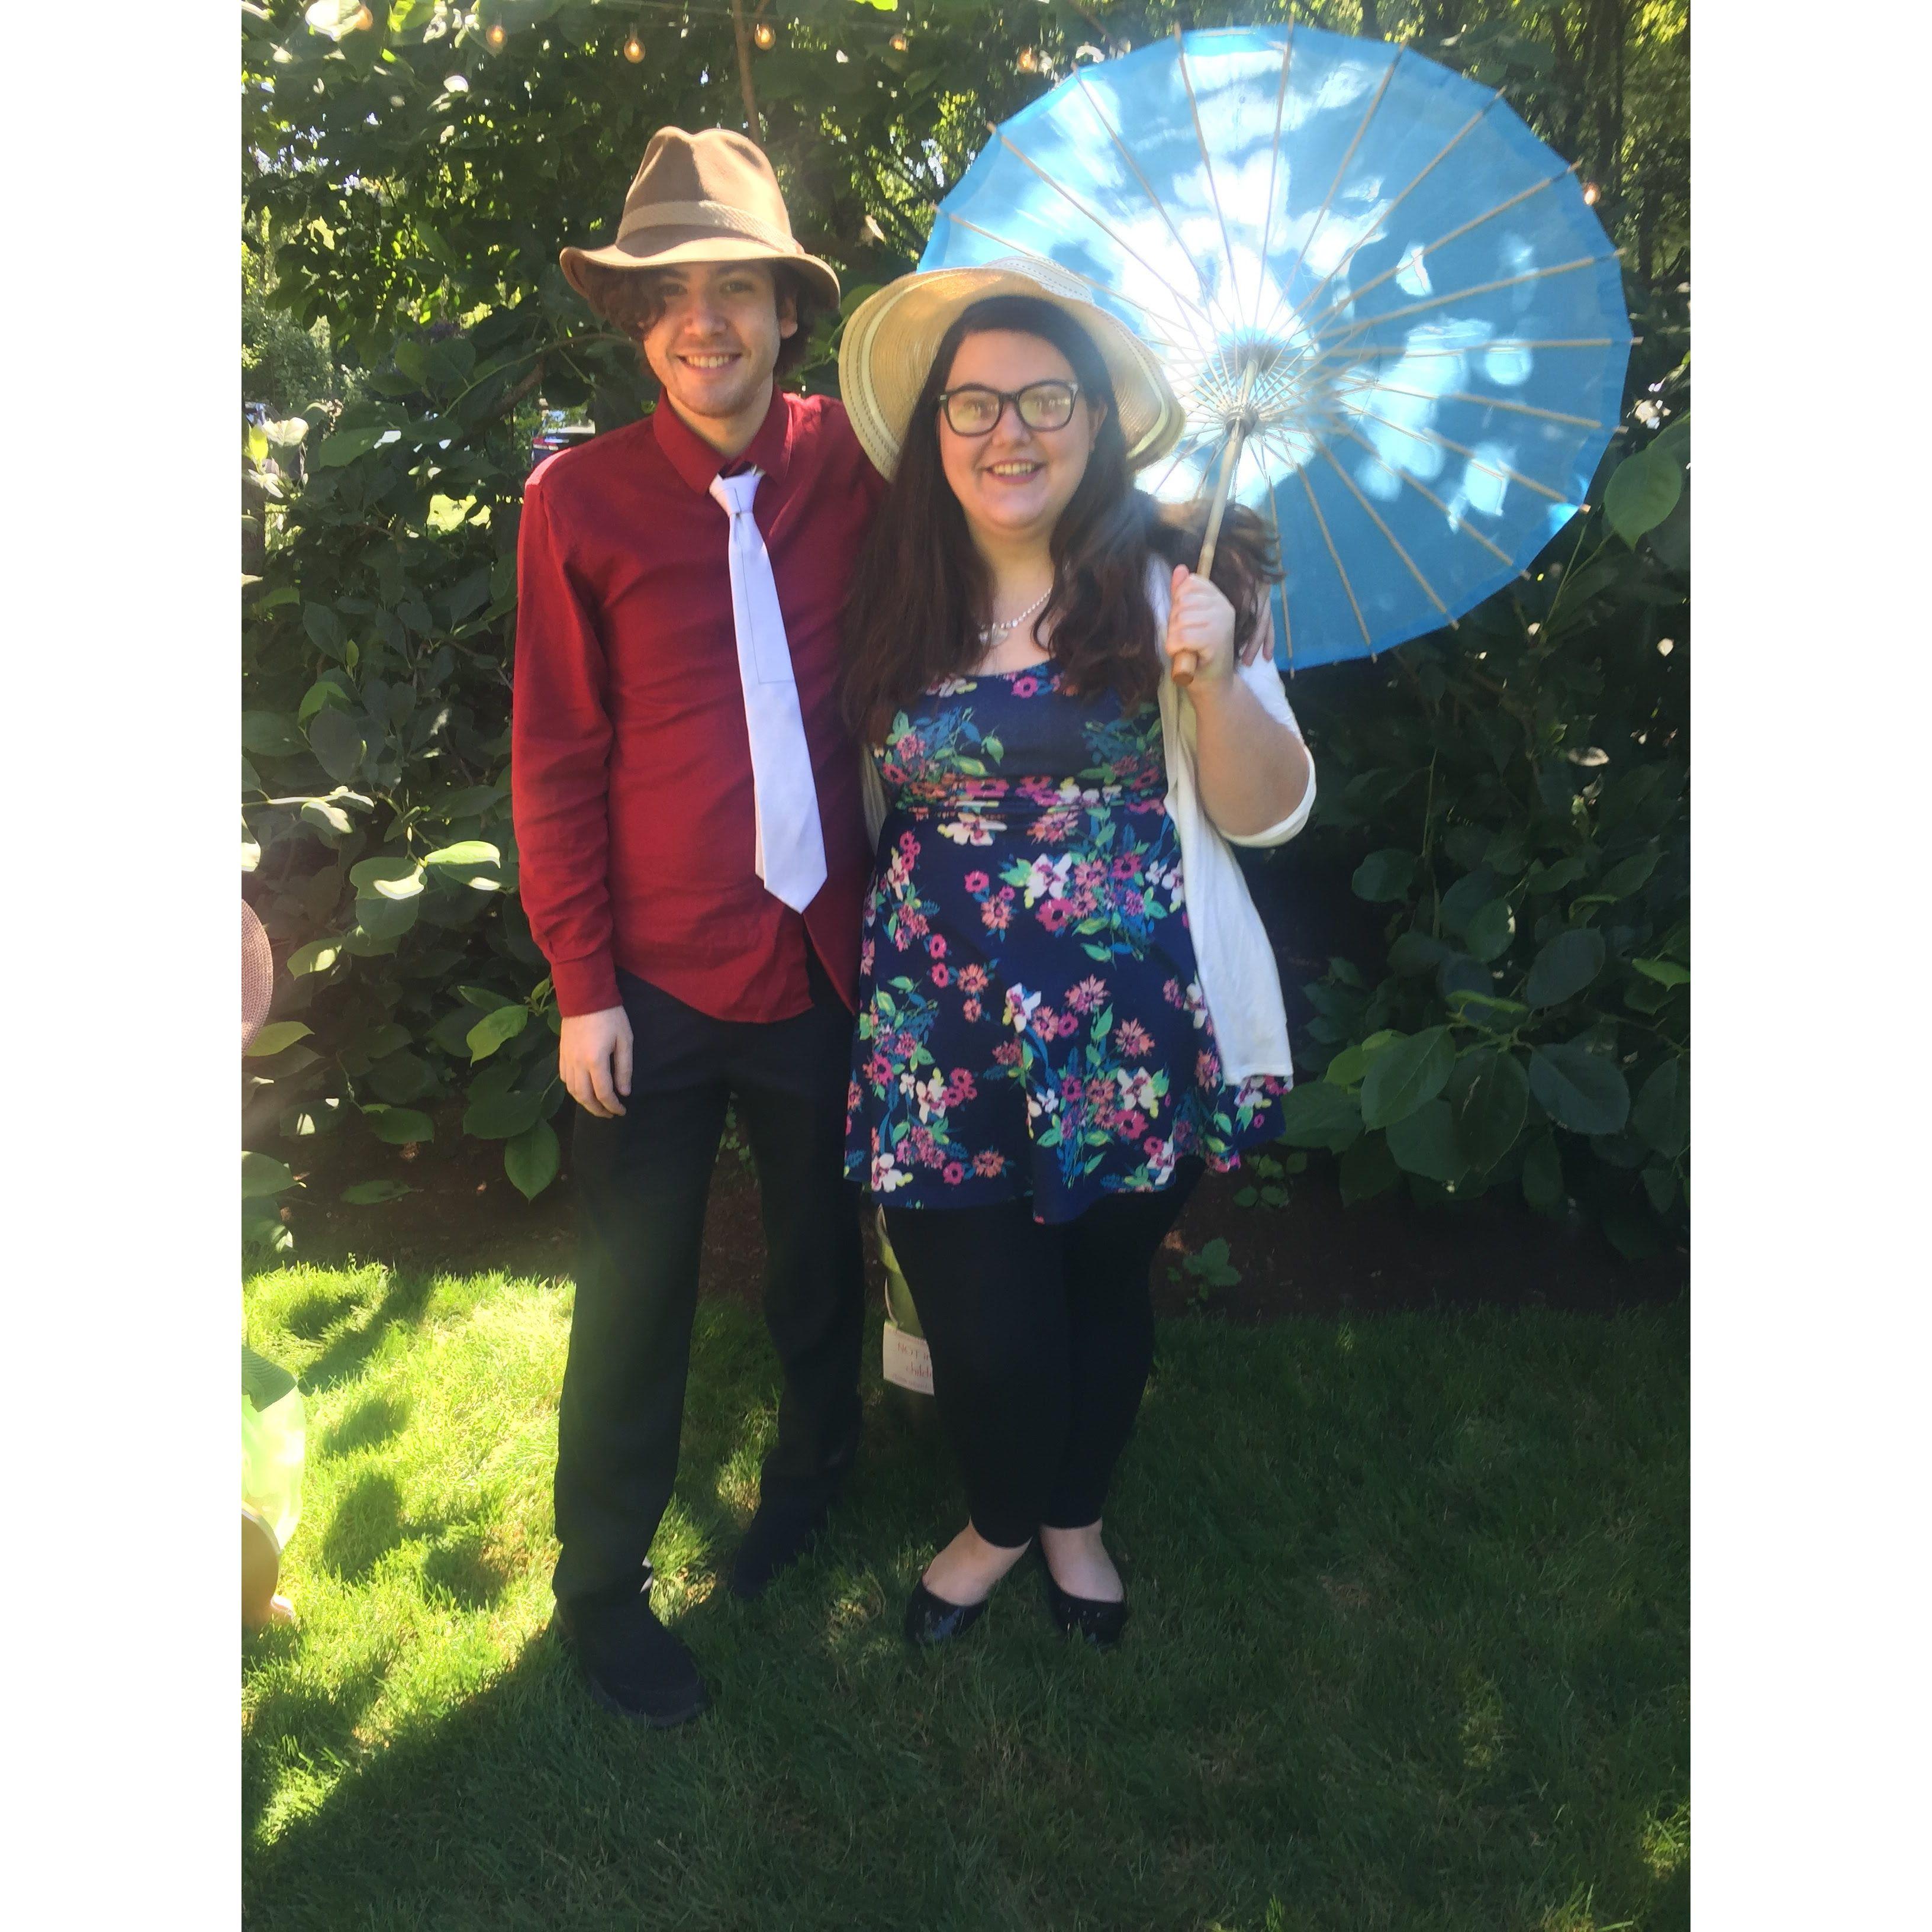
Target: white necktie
column 789, row 854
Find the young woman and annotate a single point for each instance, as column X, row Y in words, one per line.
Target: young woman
column 1067, row 1006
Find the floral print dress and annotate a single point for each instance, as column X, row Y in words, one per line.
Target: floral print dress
column 1031, row 1019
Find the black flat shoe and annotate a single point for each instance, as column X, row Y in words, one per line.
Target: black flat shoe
column 632, row 1665
column 781, row 1532
column 930, row 1619
column 1100, row 1624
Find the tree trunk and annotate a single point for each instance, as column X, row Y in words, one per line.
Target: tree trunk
column 753, row 126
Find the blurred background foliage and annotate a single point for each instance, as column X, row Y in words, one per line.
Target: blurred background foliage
column 1506, row 803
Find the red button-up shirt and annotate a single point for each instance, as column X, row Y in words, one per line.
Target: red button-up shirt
column 631, row 768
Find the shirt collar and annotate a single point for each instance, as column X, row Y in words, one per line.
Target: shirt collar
column 698, row 462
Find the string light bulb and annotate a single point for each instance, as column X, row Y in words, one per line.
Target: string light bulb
column 634, row 48
column 899, row 44
column 766, row 38
column 1591, row 194
column 1028, row 61
column 363, row 21
column 496, row 33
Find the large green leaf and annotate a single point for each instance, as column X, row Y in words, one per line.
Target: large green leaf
column 1424, row 1143
column 262, row 1176
column 1628, row 875
column 317, row 956
column 1565, row 967
column 1384, row 876
column 387, row 878
column 1405, row 1074
column 273, row 1037
column 501, row 1116
column 1662, row 1113
column 1415, row 953
column 367, row 1193
column 1643, row 490
column 270, row 734
column 1489, row 1011
column 336, row 737
column 465, row 854
column 1489, row 1095
column 1315, row 1113
column 1488, row 933
column 1580, row 1089
column 530, row 1159
column 399, row 1125
column 385, row 919
column 1665, row 972
column 1468, row 897
column 496, row 1028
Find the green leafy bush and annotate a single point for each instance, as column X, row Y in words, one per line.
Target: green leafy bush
column 1515, row 794
column 407, row 184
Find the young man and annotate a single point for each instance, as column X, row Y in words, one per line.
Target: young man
column 693, row 858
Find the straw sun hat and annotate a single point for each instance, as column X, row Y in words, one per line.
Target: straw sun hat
column 891, row 338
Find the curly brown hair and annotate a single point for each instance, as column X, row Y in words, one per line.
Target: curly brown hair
column 629, row 300
column 919, row 593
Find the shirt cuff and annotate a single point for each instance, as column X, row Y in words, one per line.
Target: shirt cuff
column 1280, row 834
column 588, row 985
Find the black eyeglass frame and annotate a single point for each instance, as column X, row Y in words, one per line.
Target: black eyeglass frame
column 944, row 401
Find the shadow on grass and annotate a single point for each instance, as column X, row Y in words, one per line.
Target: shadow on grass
column 313, row 1317
column 369, row 1521
column 1410, row 1650
column 368, row 1424
column 468, row 1569
column 403, row 1301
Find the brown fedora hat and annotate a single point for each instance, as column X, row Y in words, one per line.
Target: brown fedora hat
column 710, row 197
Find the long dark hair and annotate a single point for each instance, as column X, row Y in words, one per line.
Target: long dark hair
column 919, row 593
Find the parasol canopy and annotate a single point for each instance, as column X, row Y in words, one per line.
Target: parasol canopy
column 1383, row 302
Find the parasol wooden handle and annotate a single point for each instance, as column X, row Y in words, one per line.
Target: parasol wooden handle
column 1186, row 663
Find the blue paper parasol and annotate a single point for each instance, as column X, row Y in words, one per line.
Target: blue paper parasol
column 1394, row 322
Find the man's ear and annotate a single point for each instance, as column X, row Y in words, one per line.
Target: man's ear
column 788, row 307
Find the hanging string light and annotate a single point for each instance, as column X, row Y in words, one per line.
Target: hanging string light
column 495, row 34
column 766, row 38
column 1592, row 193
column 1028, row 61
column 634, row 48
column 363, row 21
column 899, row 44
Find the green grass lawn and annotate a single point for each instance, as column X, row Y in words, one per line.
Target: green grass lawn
column 1411, row 1647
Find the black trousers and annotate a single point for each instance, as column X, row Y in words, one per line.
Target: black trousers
column 641, row 1182
column 1041, row 1338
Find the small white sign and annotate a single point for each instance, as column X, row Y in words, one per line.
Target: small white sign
column 908, row 1362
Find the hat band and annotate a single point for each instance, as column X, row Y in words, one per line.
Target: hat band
column 705, row 214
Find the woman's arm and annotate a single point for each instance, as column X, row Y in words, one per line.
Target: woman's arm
column 1252, row 770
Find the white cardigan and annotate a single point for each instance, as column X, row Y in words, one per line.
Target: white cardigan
column 1239, row 982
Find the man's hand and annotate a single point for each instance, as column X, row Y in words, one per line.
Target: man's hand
column 593, row 1055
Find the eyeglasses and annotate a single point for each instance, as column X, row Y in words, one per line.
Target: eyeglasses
column 975, row 411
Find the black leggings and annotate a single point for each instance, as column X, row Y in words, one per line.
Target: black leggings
column 1041, row 1338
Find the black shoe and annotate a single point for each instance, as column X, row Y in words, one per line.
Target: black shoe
column 633, row 1666
column 930, row 1619
column 781, row 1532
column 1100, row 1624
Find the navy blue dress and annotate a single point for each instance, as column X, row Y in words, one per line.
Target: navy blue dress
column 1031, row 1019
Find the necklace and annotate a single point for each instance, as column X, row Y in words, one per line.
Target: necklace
column 991, row 633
